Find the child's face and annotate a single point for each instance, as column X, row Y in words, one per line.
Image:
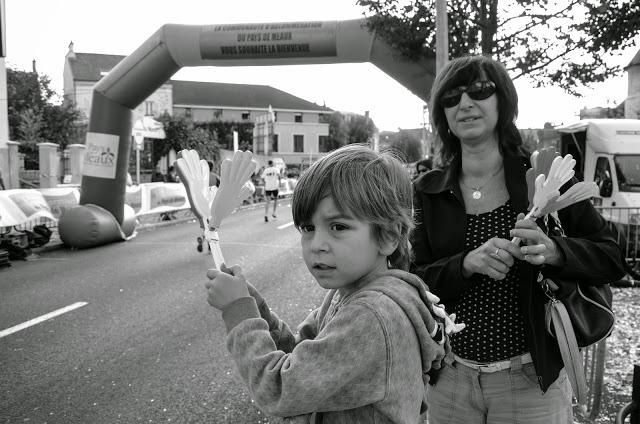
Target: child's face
column 340, row 249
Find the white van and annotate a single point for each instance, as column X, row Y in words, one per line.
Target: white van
column 607, row 151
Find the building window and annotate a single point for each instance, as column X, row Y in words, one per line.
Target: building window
column 217, row 113
column 274, row 143
column 148, row 108
column 323, row 143
column 298, row 143
column 324, row 118
column 187, row 112
column 298, row 117
column 246, row 115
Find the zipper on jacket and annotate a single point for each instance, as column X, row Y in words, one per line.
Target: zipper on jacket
column 540, row 383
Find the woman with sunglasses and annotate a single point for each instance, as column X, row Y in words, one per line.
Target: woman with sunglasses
column 503, row 367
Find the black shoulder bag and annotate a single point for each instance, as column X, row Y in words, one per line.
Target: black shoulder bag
column 577, row 316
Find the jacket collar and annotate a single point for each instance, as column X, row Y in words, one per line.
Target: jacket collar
column 446, row 179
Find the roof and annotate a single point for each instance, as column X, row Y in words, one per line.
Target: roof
column 238, row 95
column 634, row 61
column 583, row 124
column 88, row 67
column 620, row 136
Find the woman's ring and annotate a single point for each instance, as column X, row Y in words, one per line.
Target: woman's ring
column 497, row 250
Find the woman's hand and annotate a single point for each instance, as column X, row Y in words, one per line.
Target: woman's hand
column 538, row 248
column 494, row 259
column 225, row 286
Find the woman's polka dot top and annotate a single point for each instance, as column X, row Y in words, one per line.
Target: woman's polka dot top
column 490, row 308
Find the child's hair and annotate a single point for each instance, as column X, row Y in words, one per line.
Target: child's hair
column 373, row 187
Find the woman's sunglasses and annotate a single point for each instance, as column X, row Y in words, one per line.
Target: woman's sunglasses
column 478, row 90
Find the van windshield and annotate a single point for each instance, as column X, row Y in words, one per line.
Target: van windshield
column 628, row 170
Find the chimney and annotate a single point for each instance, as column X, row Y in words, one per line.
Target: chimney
column 71, row 53
column 33, row 66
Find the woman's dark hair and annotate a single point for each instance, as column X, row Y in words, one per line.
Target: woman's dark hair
column 464, row 71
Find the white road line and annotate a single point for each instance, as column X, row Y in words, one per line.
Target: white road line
column 288, row 224
column 41, row 318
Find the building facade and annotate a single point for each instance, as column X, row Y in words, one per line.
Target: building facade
column 83, row 70
column 297, row 134
column 297, row 129
column 632, row 103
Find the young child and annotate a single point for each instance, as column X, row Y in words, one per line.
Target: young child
column 364, row 354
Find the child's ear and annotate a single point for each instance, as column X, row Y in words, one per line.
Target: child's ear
column 388, row 246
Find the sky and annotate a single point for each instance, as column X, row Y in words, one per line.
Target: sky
column 43, row 29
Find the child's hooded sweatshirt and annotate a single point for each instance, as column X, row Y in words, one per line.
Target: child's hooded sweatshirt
column 362, row 358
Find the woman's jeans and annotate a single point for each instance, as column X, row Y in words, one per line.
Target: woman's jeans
column 466, row 396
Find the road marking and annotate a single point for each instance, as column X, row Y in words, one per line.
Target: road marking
column 288, row 224
column 41, row 318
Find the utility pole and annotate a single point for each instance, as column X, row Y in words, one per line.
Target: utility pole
column 442, row 35
column 442, row 57
column 5, row 172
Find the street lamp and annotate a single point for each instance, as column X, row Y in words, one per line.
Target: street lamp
column 139, row 143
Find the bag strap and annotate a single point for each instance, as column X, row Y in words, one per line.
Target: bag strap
column 568, row 344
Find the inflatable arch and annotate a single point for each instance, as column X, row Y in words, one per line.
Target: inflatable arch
column 175, row 46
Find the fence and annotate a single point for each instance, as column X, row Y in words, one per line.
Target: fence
column 625, row 223
column 632, row 409
column 23, row 209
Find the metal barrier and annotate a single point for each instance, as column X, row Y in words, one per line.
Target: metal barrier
column 632, row 409
column 594, row 358
column 625, row 223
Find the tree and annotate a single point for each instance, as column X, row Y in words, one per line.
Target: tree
column 61, row 125
column 30, row 126
column 182, row 133
column 222, row 132
column 337, row 131
column 25, row 91
column 360, row 129
column 407, row 145
column 349, row 129
column 559, row 42
column 34, row 118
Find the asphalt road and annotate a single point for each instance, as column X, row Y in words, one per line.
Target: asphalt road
column 146, row 347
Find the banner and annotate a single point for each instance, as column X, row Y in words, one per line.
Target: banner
column 23, row 207
column 60, row 199
column 273, row 40
column 161, row 197
column 133, row 197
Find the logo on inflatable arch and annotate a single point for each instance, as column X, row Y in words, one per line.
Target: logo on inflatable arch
column 101, row 155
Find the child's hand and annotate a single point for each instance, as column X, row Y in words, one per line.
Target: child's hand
column 225, row 287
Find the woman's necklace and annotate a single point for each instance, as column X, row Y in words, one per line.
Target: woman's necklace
column 477, row 193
